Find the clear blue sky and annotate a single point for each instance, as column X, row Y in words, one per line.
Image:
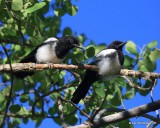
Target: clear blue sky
column 109, row 20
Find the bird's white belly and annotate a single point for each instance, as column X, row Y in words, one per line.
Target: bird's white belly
column 46, row 54
column 109, row 68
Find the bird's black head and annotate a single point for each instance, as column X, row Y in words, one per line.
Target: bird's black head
column 72, row 42
column 118, row 45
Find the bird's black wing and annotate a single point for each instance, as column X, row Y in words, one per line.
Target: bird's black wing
column 29, row 58
column 121, row 57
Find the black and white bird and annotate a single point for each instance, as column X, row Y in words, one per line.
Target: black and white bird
column 109, row 62
column 53, row 50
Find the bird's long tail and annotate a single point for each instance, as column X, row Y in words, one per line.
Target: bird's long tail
column 89, row 78
column 22, row 75
column 80, row 92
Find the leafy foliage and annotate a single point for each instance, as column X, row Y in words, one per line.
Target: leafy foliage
column 24, row 23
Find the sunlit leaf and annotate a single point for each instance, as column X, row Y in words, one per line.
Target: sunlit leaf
column 35, row 7
column 100, row 91
column 59, row 12
column 17, row 5
column 131, row 47
column 152, row 44
column 129, row 95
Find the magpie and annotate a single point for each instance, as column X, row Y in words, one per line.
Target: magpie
column 109, row 62
column 53, row 50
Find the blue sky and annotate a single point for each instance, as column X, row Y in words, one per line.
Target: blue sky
column 109, row 20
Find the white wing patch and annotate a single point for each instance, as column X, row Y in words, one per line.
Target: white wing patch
column 51, row 39
column 106, row 52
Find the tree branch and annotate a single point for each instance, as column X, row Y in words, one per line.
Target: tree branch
column 137, row 111
column 33, row 67
column 109, row 110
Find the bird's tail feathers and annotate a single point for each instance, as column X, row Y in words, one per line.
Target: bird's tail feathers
column 80, row 92
column 22, row 75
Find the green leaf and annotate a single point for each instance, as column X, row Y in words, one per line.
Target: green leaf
column 125, row 124
column 149, row 64
column 39, row 121
column 72, row 120
column 90, row 51
column 17, row 5
column 131, row 47
column 128, row 61
column 59, row 12
column 19, row 85
column 67, row 31
column 2, row 99
column 100, row 91
column 15, row 108
column 116, row 101
column 35, row 7
column 154, row 55
column 25, row 120
column 81, row 38
column 71, row 9
column 129, row 95
column 24, row 98
column 147, row 84
column 152, row 44
column 2, row 3
column 74, row 10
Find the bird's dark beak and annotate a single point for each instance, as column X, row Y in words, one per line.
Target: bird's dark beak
column 122, row 44
column 79, row 46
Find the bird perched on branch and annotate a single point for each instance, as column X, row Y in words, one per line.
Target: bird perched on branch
column 53, row 50
column 109, row 62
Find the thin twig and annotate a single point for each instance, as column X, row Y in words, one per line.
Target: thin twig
column 149, row 124
column 100, row 106
column 83, row 113
column 76, row 75
column 11, row 88
column 47, row 94
column 31, row 116
column 60, row 107
column 135, row 86
column 154, row 82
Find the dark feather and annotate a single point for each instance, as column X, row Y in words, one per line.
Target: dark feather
column 89, row 78
column 29, row 58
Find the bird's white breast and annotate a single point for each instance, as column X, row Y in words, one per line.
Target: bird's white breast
column 46, row 54
column 109, row 66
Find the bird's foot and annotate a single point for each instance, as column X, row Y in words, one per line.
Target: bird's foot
column 49, row 65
